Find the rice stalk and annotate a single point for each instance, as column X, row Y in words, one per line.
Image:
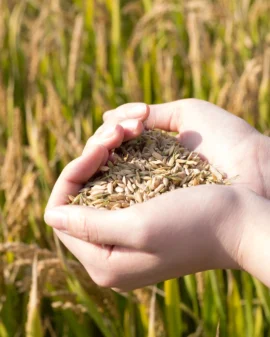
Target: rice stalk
column 56, row 80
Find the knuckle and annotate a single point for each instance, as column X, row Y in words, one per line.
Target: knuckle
column 100, row 129
column 68, row 168
column 83, row 229
column 93, row 233
column 88, row 144
column 105, row 279
column 91, row 141
column 102, row 281
column 90, row 231
column 107, row 114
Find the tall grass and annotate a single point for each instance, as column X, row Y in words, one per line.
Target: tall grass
column 62, row 64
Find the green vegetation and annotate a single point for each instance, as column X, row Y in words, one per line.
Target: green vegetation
column 62, row 64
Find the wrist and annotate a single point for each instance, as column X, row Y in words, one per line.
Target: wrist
column 264, row 163
column 253, row 253
column 227, row 228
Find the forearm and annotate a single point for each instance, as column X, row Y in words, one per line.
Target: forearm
column 242, row 233
column 264, row 163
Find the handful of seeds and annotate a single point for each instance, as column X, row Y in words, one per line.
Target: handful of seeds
column 143, row 168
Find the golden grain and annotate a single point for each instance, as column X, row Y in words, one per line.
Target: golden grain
column 144, row 168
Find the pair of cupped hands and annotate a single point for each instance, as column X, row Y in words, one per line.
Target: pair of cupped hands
column 183, row 231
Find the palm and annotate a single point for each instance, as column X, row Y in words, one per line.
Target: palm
column 185, row 230
column 240, row 162
column 226, row 141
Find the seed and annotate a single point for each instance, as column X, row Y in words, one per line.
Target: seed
column 138, row 196
column 97, row 202
column 171, row 161
column 165, row 181
column 119, row 189
column 144, row 168
column 96, row 193
column 186, row 171
column 104, row 168
column 157, row 155
column 98, row 188
column 114, row 197
column 159, row 188
column 191, row 162
column 71, row 198
column 110, row 188
column 129, row 186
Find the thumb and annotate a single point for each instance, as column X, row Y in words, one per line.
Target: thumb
column 139, row 111
column 160, row 116
column 119, row 227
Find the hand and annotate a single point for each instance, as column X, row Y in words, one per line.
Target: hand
column 226, row 141
column 168, row 239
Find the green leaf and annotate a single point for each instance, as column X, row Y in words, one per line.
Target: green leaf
column 172, row 308
column 106, row 327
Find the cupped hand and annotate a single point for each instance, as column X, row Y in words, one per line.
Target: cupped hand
column 226, row 141
column 169, row 236
column 178, row 233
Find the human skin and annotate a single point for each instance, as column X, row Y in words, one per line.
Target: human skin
column 180, row 232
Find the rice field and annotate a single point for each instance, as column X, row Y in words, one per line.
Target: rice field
column 62, row 64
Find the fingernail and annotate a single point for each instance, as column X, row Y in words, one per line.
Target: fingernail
column 131, row 124
column 137, row 111
column 56, row 219
column 107, row 132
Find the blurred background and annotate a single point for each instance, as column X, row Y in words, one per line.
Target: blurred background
column 62, row 64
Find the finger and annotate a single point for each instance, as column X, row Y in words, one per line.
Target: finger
column 199, row 126
column 121, row 267
column 85, row 252
column 132, row 128
column 97, row 226
column 109, row 135
column 113, row 227
column 134, row 269
column 123, row 131
column 158, row 116
column 192, row 116
column 139, row 111
column 186, row 115
column 75, row 174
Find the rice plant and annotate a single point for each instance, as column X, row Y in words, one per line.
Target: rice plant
column 62, row 64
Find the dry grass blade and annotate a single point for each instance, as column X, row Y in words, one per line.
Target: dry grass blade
column 62, row 64
column 74, row 51
column 33, row 324
column 147, row 299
